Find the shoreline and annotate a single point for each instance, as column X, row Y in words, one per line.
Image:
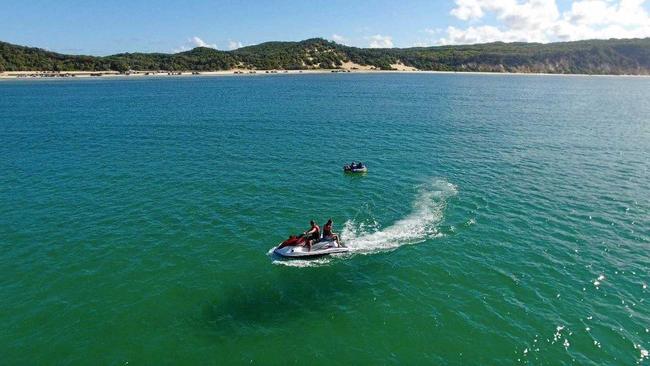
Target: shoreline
column 57, row 75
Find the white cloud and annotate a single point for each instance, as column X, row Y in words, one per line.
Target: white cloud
column 198, row 42
column 379, row 41
column 480, row 34
column 467, row 9
column 338, row 38
column 429, row 39
column 194, row 42
column 233, row 45
column 433, row 31
column 541, row 21
column 180, row 49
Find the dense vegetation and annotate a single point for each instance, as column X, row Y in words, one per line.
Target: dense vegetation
column 627, row 56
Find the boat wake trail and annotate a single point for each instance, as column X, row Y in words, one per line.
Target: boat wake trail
column 365, row 236
column 428, row 208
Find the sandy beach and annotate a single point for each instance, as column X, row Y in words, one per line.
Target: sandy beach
column 347, row 68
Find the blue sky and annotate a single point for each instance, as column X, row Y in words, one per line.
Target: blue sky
column 101, row 28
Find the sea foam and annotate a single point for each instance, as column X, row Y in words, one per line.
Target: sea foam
column 420, row 225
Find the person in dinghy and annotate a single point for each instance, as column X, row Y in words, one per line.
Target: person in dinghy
column 355, row 167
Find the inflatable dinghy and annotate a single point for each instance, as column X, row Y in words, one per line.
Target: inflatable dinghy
column 349, row 169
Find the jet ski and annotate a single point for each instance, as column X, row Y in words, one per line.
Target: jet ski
column 320, row 248
column 354, row 168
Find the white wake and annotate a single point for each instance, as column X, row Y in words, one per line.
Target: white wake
column 420, row 225
column 366, row 236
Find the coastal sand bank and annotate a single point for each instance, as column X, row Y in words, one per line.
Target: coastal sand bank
column 31, row 75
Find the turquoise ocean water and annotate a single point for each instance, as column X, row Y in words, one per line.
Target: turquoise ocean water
column 504, row 220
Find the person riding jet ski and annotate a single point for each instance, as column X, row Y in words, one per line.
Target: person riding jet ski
column 328, row 234
column 310, row 244
column 312, row 235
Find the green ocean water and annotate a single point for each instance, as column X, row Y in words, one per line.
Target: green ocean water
column 504, row 220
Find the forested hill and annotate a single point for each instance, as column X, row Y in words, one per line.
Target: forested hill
column 625, row 56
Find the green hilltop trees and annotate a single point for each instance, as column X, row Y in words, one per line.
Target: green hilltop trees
column 624, row 56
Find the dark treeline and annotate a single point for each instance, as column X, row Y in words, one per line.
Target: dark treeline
column 626, row 56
